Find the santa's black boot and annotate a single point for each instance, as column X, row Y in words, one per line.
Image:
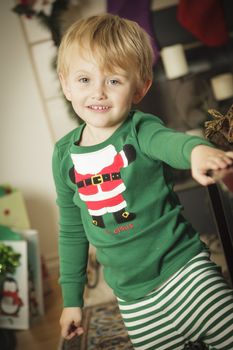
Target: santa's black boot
column 122, row 216
column 98, row 221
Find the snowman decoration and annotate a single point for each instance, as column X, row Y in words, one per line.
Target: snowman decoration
column 10, row 302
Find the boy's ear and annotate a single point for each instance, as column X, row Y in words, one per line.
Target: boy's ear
column 141, row 91
column 65, row 87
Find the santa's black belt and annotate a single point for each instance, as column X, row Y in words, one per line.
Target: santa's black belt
column 99, row 179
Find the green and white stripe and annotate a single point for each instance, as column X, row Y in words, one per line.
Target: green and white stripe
column 196, row 303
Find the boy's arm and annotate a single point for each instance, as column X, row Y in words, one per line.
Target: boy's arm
column 73, row 243
column 204, row 158
column 162, row 143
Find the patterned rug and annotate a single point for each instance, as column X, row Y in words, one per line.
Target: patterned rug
column 104, row 329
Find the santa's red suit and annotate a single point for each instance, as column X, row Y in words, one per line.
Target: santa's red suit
column 98, row 178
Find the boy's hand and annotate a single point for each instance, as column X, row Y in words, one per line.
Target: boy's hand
column 204, row 158
column 70, row 322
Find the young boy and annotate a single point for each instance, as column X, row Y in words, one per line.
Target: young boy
column 114, row 190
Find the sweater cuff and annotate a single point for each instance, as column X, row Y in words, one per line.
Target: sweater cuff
column 193, row 142
column 72, row 295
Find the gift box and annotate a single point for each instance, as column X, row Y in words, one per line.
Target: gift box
column 35, row 288
column 14, row 304
column 23, row 288
column 13, row 212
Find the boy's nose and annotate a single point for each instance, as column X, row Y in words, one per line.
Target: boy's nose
column 99, row 92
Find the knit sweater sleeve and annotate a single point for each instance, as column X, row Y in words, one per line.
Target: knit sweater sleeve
column 73, row 244
column 165, row 144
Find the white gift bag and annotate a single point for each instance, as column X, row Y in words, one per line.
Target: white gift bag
column 14, row 302
column 35, row 288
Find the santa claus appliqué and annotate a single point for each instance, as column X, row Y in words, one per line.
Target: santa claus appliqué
column 99, row 183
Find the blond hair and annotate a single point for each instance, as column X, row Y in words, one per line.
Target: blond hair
column 113, row 41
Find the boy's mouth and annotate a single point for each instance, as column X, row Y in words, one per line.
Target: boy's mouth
column 99, row 108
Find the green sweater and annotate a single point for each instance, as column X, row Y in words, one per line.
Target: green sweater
column 118, row 196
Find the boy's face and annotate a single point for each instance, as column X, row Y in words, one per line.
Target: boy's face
column 101, row 99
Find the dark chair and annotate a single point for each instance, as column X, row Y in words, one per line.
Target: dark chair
column 221, row 199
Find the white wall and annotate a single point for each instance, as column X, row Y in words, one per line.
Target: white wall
column 26, row 133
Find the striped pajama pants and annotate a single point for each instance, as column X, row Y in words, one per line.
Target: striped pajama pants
column 195, row 304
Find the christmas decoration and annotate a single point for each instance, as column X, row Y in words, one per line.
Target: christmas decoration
column 220, row 130
column 47, row 11
column 9, row 260
column 205, row 20
column 56, row 16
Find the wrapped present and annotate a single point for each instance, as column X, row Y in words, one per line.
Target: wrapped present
column 14, row 304
column 20, row 284
column 13, row 211
column 35, row 287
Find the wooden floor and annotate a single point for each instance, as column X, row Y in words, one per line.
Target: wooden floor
column 45, row 333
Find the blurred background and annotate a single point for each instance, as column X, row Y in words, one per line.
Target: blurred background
column 193, row 71
column 34, row 114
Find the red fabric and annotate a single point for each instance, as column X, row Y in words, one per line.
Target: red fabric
column 106, row 203
column 14, row 296
column 205, row 20
column 117, row 164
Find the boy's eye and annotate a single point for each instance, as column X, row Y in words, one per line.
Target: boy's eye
column 84, row 80
column 114, row 82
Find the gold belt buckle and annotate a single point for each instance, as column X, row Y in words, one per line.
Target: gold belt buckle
column 97, row 179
